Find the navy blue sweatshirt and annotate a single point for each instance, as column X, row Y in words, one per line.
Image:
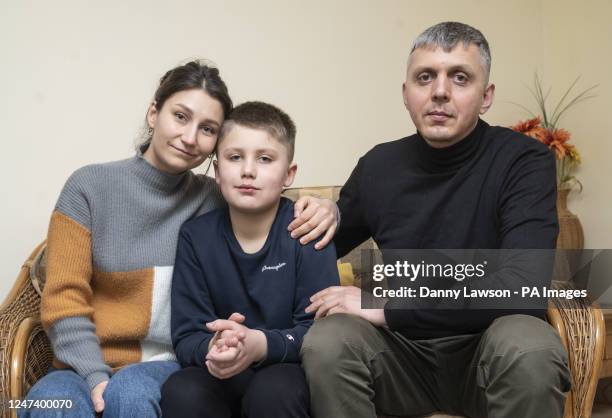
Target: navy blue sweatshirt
column 213, row 277
column 496, row 188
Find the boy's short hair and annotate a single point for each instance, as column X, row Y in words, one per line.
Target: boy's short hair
column 264, row 116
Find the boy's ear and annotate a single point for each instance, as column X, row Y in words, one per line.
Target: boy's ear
column 216, row 167
column 290, row 175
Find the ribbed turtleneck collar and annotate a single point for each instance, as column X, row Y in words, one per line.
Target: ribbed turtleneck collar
column 450, row 159
column 152, row 176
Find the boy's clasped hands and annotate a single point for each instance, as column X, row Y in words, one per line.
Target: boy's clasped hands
column 234, row 347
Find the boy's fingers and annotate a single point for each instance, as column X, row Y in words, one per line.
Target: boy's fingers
column 222, row 325
column 232, row 341
column 223, row 357
column 237, row 317
column 218, row 372
column 214, row 339
column 212, row 369
column 232, row 336
column 227, row 333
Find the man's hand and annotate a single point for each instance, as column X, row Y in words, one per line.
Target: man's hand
column 224, row 361
column 96, row 396
column 343, row 299
column 313, row 217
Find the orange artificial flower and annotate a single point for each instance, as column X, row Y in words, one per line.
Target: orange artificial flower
column 533, row 128
column 543, row 128
column 558, row 143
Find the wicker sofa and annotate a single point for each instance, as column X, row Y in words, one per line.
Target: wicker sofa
column 25, row 354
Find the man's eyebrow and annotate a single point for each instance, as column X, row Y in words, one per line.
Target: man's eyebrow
column 190, row 112
column 423, row 68
column 461, row 67
column 453, row 68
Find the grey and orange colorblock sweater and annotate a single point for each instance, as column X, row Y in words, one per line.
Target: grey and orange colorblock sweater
column 111, row 247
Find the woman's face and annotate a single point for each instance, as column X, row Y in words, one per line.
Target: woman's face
column 184, row 130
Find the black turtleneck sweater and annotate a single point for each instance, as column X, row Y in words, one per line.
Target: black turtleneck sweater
column 494, row 189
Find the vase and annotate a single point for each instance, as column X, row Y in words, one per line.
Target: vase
column 571, row 235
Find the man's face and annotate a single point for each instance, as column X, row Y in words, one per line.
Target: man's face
column 445, row 92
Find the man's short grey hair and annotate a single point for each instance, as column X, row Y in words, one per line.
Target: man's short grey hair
column 447, row 35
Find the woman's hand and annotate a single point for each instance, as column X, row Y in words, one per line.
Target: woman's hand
column 96, row 396
column 313, row 218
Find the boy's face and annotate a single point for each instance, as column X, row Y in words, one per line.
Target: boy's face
column 252, row 169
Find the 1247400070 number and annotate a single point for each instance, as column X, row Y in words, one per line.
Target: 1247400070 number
column 39, row 403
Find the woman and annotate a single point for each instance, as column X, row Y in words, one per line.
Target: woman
column 111, row 245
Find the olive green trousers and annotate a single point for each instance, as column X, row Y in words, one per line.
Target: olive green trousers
column 517, row 368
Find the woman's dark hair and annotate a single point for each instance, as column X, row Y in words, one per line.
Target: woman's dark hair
column 193, row 75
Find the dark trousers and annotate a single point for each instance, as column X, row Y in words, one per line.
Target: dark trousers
column 517, row 368
column 275, row 391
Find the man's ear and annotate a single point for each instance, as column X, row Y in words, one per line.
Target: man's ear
column 405, row 94
column 216, row 167
column 290, row 175
column 152, row 115
column 487, row 102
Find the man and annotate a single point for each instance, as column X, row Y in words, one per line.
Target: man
column 458, row 183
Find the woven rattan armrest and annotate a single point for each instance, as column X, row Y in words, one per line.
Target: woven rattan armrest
column 18, row 353
column 25, row 354
column 582, row 329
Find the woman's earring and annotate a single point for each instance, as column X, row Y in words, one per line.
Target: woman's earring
column 210, row 159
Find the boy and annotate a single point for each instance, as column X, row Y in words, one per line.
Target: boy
column 240, row 263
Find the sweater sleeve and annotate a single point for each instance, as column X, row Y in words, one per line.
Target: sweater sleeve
column 527, row 205
column 191, row 305
column 353, row 228
column 316, row 270
column 528, row 220
column 66, row 310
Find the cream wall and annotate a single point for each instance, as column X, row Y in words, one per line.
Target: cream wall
column 577, row 41
column 77, row 77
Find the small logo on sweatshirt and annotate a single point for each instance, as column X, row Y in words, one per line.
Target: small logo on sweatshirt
column 290, row 337
column 276, row 267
